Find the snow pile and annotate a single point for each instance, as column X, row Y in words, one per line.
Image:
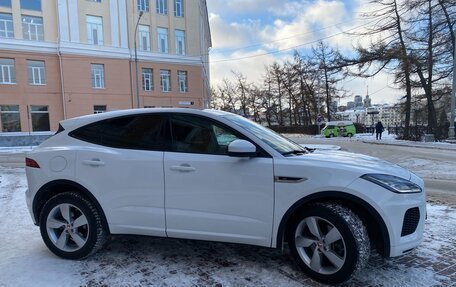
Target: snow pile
column 143, row 261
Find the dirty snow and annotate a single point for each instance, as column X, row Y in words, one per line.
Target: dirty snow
column 142, row 261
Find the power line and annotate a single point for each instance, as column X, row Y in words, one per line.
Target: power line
column 291, row 48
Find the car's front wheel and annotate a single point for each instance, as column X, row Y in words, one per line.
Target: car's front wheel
column 71, row 226
column 329, row 242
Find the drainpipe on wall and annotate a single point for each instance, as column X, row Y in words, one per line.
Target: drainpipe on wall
column 59, row 54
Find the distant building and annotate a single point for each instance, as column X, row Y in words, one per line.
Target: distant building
column 66, row 58
column 367, row 102
column 358, row 102
column 350, row 105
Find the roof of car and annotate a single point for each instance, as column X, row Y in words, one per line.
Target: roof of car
column 83, row 120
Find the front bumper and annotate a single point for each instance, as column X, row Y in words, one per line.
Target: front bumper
column 392, row 208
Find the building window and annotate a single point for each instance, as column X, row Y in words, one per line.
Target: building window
column 162, row 7
column 31, row 5
column 5, row 3
column 180, row 42
column 7, row 71
column 144, row 38
column 182, row 81
column 165, row 80
column 147, row 79
column 6, row 26
column 40, row 118
column 98, row 80
column 10, row 118
column 98, row 109
column 94, row 30
column 162, row 40
column 36, row 73
column 32, row 28
column 179, row 8
column 143, row 5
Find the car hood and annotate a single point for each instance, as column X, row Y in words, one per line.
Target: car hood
column 353, row 161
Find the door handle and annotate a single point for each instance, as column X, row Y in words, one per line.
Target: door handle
column 183, row 167
column 93, row 162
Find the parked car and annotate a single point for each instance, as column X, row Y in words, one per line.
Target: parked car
column 339, row 128
column 212, row 175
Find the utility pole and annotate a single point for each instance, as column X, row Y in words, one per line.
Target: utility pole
column 453, row 96
column 136, row 62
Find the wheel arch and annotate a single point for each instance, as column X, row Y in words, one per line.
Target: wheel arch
column 375, row 225
column 55, row 187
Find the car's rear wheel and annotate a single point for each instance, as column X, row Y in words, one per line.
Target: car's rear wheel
column 71, row 226
column 329, row 242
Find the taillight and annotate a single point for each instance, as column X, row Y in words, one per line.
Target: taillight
column 31, row 163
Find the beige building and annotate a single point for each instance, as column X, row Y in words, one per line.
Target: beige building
column 64, row 58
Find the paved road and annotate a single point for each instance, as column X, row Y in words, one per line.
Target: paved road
column 436, row 166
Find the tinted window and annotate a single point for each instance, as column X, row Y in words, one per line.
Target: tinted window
column 198, row 135
column 143, row 132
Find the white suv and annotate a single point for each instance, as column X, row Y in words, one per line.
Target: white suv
column 212, row 175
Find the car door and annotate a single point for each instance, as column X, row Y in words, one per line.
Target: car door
column 210, row 195
column 122, row 165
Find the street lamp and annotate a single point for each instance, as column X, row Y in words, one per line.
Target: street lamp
column 453, row 96
column 136, row 61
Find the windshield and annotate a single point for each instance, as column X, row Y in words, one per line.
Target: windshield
column 271, row 138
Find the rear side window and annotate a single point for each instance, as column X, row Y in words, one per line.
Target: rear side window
column 142, row 132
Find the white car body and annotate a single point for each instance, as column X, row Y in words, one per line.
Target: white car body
column 218, row 197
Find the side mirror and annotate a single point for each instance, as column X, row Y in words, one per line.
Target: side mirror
column 241, row 148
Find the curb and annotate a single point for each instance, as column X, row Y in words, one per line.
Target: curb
column 409, row 145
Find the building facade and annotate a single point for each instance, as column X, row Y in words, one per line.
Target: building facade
column 65, row 58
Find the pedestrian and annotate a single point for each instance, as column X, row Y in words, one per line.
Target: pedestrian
column 378, row 130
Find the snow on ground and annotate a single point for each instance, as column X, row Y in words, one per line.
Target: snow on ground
column 142, row 261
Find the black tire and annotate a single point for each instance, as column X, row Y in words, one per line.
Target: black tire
column 91, row 231
column 354, row 242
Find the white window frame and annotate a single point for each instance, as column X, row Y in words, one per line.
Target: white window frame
column 32, row 28
column 165, row 81
column 179, row 36
column 144, row 32
column 6, row 21
column 95, row 23
column 179, row 8
column 162, row 43
column 37, row 71
column 7, row 72
column 148, row 79
column 98, row 76
column 143, row 5
column 182, row 78
column 162, row 7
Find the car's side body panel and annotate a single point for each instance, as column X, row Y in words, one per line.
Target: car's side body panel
column 220, row 198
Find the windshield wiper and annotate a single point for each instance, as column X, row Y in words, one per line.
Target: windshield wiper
column 296, row 152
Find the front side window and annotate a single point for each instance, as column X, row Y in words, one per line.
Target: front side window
column 10, row 118
column 36, row 72
column 180, row 42
column 162, row 40
column 31, row 5
column 6, row 26
column 7, row 71
column 40, row 118
column 98, row 79
column 197, row 135
column 269, row 137
column 147, row 79
column 165, row 80
column 143, row 5
column 144, row 38
column 32, row 28
column 182, row 81
column 94, row 30
column 98, row 109
column 162, row 7
column 179, row 8
column 141, row 132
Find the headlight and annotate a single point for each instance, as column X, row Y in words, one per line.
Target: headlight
column 393, row 183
